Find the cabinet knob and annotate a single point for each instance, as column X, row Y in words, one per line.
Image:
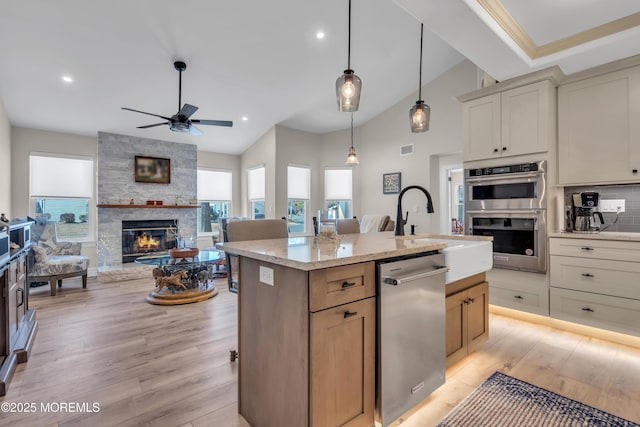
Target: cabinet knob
column 350, row 313
column 634, row 170
column 346, row 284
column 495, row 150
column 587, row 275
column 504, row 148
column 589, row 309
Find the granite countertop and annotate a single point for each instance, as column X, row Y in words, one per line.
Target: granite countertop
column 605, row 235
column 307, row 253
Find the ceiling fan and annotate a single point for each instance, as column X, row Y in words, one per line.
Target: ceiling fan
column 181, row 122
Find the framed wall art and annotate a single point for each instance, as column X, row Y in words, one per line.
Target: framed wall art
column 391, row 183
column 152, row 169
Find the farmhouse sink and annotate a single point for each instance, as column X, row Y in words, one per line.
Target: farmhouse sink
column 463, row 257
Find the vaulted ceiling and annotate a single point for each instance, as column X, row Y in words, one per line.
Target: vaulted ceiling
column 263, row 60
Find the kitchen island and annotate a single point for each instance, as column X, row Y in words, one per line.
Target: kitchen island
column 307, row 317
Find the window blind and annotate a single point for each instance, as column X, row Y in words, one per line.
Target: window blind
column 214, row 185
column 337, row 184
column 255, row 183
column 298, row 182
column 52, row 176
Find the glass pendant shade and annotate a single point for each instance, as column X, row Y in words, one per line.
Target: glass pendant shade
column 352, row 158
column 348, row 88
column 419, row 115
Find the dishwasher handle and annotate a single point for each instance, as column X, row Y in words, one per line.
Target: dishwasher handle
column 400, row 280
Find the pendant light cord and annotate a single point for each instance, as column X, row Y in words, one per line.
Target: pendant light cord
column 349, row 38
column 420, row 77
column 352, row 131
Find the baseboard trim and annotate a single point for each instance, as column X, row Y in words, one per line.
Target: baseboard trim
column 602, row 334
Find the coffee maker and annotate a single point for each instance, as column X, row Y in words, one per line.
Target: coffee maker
column 583, row 213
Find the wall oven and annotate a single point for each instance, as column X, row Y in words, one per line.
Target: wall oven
column 509, row 204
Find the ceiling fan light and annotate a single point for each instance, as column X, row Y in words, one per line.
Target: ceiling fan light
column 348, row 88
column 419, row 115
column 352, row 158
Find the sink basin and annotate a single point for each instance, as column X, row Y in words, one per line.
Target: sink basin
column 464, row 257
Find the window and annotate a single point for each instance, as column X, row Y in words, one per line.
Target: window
column 61, row 190
column 214, row 198
column 338, row 191
column 256, row 190
column 298, row 194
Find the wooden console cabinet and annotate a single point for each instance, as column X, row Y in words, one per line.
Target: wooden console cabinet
column 17, row 322
column 467, row 324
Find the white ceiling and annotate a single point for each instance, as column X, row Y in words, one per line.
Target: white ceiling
column 261, row 59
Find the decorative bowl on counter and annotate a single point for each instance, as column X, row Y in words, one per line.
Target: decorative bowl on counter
column 183, row 253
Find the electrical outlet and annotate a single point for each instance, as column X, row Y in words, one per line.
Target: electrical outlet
column 266, row 275
column 615, row 205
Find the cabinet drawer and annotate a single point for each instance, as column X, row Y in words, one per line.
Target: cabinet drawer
column 600, row 311
column 533, row 301
column 616, row 278
column 334, row 286
column 592, row 248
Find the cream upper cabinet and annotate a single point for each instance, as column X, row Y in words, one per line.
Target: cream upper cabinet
column 514, row 122
column 599, row 129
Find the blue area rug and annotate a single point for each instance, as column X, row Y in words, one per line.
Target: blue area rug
column 504, row 401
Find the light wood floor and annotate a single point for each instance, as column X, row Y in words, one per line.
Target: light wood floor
column 169, row 366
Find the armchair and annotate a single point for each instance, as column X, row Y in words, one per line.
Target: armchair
column 54, row 261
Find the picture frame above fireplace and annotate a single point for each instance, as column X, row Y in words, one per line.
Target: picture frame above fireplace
column 153, row 170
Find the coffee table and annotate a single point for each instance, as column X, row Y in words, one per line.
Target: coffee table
column 183, row 281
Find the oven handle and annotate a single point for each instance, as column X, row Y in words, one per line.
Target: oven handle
column 504, row 178
column 535, row 212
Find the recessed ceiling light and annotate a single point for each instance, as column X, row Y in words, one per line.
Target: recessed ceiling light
column 67, row 79
column 320, row 35
column 245, row 118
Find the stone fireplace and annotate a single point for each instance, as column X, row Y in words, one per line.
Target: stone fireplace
column 121, row 200
column 148, row 237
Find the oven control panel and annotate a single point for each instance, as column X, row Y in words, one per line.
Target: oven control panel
column 501, row 170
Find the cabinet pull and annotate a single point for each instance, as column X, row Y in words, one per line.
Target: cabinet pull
column 518, row 297
column 346, row 284
column 21, row 297
column 586, row 248
column 589, row 309
column 504, row 148
column 634, row 171
column 495, row 150
column 349, row 313
column 587, row 275
column 471, row 300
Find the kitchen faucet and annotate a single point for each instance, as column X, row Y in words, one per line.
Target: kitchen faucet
column 401, row 222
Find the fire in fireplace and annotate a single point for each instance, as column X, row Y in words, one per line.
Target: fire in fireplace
column 148, row 237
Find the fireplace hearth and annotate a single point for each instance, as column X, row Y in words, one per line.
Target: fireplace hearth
column 148, row 237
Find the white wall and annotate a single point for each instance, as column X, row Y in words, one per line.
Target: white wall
column 263, row 152
column 378, row 142
column 5, row 163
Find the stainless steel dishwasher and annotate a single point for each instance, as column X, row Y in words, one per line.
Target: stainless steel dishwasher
column 411, row 333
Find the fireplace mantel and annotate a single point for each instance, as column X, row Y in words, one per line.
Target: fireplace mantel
column 148, row 206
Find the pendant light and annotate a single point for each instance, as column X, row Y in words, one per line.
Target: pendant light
column 352, row 157
column 420, row 113
column 348, row 85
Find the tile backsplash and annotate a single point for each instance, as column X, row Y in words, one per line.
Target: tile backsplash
column 628, row 221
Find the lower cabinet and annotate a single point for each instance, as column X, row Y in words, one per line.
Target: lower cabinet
column 343, row 365
column 467, row 322
column 595, row 282
column 519, row 290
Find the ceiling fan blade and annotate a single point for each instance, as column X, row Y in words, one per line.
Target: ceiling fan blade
column 187, row 110
column 195, row 131
column 226, row 123
column 143, row 112
column 153, row 125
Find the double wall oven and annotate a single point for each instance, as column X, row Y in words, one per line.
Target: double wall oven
column 509, row 203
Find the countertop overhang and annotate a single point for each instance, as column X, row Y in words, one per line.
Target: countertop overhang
column 603, row 235
column 308, row 253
